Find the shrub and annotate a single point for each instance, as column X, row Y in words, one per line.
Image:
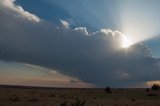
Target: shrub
column 79, row 103
column 33, row 100
column 155, row 86
column 108, row 89
column 14, row 99
column 64, row 103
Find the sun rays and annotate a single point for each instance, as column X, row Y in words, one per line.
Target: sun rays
column 126, row 42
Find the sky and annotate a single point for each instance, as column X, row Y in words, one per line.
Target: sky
column 80, row 43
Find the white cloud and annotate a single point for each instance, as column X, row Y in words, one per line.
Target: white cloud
column 83, row 30
column 65, row 24
column 17, row 11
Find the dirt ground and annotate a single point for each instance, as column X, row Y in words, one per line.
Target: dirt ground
column 38, row 96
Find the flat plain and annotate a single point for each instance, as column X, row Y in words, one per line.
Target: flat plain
column 45, row 96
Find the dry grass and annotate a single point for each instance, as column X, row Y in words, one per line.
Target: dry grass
column 24, row 96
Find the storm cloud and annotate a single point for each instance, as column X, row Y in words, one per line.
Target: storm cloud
column 92, row 57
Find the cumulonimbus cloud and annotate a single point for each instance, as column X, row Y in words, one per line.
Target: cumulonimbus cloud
column 96, row 58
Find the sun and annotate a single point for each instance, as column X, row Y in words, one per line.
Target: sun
column 126, row 42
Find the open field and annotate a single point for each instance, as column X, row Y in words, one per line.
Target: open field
column 38, row 96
